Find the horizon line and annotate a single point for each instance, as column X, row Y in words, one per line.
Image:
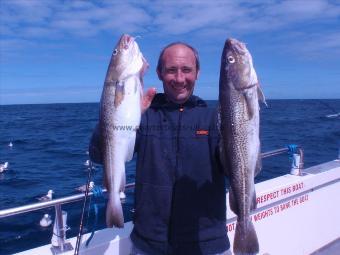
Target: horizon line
column 97, row 102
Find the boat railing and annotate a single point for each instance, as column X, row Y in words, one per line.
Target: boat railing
column 296, row 153
column 297, row 156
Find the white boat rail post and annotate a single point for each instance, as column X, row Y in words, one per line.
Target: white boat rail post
column 58, row 241
column 297, row 156
column 297, row 162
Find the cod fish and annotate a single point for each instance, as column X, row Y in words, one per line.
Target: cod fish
column 119, row 118
column 239, row 93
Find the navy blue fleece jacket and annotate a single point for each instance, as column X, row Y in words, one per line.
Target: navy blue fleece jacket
column 180, row 194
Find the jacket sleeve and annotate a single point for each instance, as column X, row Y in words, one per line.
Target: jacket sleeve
column 95, row 148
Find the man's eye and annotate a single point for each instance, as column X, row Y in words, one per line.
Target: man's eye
column 171, row 70
column 186, row 70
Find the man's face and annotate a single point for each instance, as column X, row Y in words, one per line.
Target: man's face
column 179, row 73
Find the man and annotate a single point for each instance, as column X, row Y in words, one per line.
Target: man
column 180, row 205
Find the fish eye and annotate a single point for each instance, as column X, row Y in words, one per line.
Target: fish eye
column 231, row 59
column 115, row 52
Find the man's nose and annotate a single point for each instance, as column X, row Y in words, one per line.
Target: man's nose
column 180, row 77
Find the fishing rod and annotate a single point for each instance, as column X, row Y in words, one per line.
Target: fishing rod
column 76, row 250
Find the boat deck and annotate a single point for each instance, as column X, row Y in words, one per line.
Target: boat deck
column 332, row 248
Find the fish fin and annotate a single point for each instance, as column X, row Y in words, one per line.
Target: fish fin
column 232, row 202
column 258, row 166
column 114, row 212
column 222, row 152
column 123, row 183
column 250, row 107
column 260, row 95
column 245, row 240
column 119, row 94
column 222, row 155
column 141, row 98
column 130, row 148
column 105, row 180
column 143, row 70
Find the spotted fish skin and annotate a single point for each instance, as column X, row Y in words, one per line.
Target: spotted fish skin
column 239, row 93
column 119, row 118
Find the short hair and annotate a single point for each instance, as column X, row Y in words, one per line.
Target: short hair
column 160, row 59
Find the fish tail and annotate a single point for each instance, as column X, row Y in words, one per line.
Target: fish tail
column 245, row 240
column 114, row 212
column 114, row 209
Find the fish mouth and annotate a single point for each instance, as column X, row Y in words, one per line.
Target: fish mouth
column 126, row 41
column 237, row 46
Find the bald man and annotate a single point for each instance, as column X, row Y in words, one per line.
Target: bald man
column 180, row 193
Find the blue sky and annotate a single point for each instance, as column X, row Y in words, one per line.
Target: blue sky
column 58, row 50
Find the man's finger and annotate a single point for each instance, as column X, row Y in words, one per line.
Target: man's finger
column 147, row 98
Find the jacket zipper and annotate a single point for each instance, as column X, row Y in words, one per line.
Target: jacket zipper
column 181, row 109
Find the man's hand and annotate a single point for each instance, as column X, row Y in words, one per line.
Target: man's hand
column 147, row 98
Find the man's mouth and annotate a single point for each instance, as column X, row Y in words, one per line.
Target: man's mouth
column 178, row 88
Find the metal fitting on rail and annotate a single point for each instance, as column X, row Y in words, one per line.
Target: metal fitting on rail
column 297, row 157
column 58, row 241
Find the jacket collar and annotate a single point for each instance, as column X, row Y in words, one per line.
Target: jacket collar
column 161, row 101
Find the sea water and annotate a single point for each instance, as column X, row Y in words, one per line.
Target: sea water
column 50, row 144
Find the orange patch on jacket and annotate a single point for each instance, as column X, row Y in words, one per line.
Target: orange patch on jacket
column 202, row 132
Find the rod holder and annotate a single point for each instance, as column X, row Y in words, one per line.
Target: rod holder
column 297, row 162
column 58, row 241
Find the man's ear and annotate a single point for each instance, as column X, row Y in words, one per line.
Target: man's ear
column 198, row 74
column 159, row 75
